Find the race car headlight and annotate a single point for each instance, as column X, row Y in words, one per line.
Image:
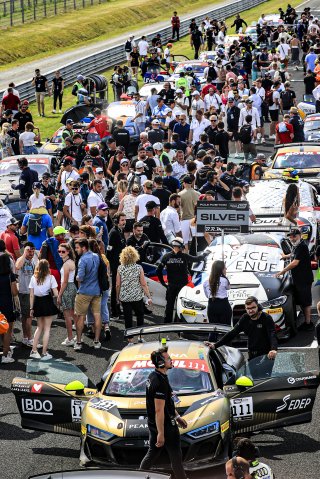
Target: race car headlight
column 189, row 304
column 274, row 303
column 99, row 433
column 203, row 431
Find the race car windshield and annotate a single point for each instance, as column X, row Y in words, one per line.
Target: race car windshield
column 56, row 140
column 132, row 382
column 195, row 68
column 312, row 125
column 116, row 111
column 298, row 160
column 93, row 137
column 8, row 169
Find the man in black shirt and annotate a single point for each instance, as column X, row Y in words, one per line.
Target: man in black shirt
column 26, row 179
column 160, row 192
column 222, row 141
column 238, row 22
column 302, row 276
column 260, row 329
column 138, row 240
column 57, row 88
column 176, row 264
column 297, row 123
column 80, row 145
column 40, row 83
column 121, row 135
column 14, row 133
column 117, row 243
column 151, row 225
column 155, row 135
column 163, row 418
column 167, row 93
column 23, row 116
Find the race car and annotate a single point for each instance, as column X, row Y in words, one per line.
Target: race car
column 54, row 145
column 307, row 106
column 219, row 395
column 208, row 55
column 197, row 66
column 251, row 31
column 266, row 200
column 303, row 157
column 145, row 90
column 312, row 128
column 125, row 110
column 273, row 20
column 9, row 174
column 251, row 261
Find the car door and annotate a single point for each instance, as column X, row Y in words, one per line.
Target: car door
column 52, row 396
column 266, row 394
column 153, row 254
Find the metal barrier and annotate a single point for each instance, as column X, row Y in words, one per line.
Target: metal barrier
column 99, row 62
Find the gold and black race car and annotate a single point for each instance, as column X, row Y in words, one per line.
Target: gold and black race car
column 219, row 393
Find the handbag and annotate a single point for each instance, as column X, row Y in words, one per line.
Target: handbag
column 4, row 325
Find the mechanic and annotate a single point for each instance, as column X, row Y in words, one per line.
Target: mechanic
column 176, row 264
column 246, row 449
column 117, row 243
column 238, row 468
column 26, row 179
column 256, row 172
column 302, row 275
column 68, row 131
column 152, row 226
column 229, row 178
column 138, row 240
column 163, row 418
column 261, row 332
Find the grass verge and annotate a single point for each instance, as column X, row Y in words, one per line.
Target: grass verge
column 51, row 122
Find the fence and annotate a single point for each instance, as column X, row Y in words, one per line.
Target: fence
column 100, row 62
column 15, row 12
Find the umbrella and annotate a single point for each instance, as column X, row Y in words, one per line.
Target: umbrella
column 76, row 113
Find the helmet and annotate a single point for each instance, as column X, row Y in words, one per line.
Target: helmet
column 189, row 68
column 83, row 91
column 290, row 174
column 177, row 241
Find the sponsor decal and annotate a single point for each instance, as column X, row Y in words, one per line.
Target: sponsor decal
column 21, row 386
column 225, row 426
column 195, row 364
column 37, row 406
column 305, row 378
column 274, row 311
column 102, row 404
column 138, row 426
column 173, row 356
column 189, row 312
column 36, row 388
column 294, row 404
column 237, row 294
column 76, row 409
column 242, row 408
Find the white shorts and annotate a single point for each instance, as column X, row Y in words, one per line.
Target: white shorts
column 128, row 55
column 186, row 231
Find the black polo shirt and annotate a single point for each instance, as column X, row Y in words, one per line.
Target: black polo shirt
column 158, row 387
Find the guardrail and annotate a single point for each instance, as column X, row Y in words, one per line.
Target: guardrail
column 99, row 62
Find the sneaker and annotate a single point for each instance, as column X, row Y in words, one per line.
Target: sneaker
column 68, row 342
column 96, row 344
column 74, row 327
column 272, row 137
column 114, row 318
column 77, row 346
column 7, row 359
column 60, row 111
column 107, row 333
column 263, row 140
column 46, row 357
column 54, row 111
column 26, row 342
column 306, row 326
column 35, row 355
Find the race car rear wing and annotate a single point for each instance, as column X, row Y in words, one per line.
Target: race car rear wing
column 176, row 328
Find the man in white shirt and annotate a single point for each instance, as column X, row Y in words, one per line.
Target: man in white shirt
column 196, row 104
column 179, row 167
column 140, row 205
column 143, row 47
column 181, row 103
column 73, row 204
column 67, row 173
column 160, row 111
column 95, row 197
column 140, row 117
column 170, row 218
column 197, row 126
column 249, row 110
column 212, row 99
column 274, row 109
column 283, row 49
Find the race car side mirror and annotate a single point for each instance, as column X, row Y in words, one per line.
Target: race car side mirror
column 76, row 386
column 244, row 382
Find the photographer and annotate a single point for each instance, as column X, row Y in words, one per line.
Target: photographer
column 163, row 418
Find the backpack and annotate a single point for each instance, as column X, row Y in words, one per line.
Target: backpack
column 245, row 134
column 286, row 100
column 201, row 177
column 103, row 276
column 244, row 171
column 269, row 97
column 34, row 224
column 134, row 180
column 212, row 73
column 127, row 46
column 282, row 128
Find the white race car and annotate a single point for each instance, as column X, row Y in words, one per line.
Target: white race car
column 252, row 261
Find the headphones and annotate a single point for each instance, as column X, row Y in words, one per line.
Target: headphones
column 239, row 472
column 158, row 359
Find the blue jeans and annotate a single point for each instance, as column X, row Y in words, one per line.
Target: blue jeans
column 104, row 310
column 141, row 127
column 30, row 150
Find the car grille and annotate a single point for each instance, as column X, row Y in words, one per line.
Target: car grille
column 135, row 413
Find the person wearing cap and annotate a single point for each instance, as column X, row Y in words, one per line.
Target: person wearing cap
column 297, row 123
column 49, row 251
column 182, row 103
column 73, row 205
column 197, row 104
column 302, row 275
column 37, row 201
column 140, row 113
column 40, row 82
column 160, row 192
column 177, row 265
column 67, row 172
column 110, row 148
column 23, row 116
column 152, row 226
column 26, row 179
column 258, row 166
column 249, row 109
column 100, row 221
column 78, row 84
column 68, row 131
column 155, row 135
column 160, row 158
column 10, row 239
column 140, row 204
column 137, row 177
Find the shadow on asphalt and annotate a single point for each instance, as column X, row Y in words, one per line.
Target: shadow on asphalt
column 285, row 442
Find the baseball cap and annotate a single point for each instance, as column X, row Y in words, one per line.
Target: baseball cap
column 80, row 77
column 195, row 93
column 69, row 180
column 59, row 230
column 84, row 176
column 121, row 148
column 150, row 205
column 8, row 112
column 25, row 102
column 110, row 139
column 155, row 122
column 124, row 160
column 177, row 241
column 158, row 180
column 149, row 148
column 100, row 170
column 140, row 164
column 201, row 154
column 187, row 180
column 69, row 121
column 249, row 100
column 11, row 221
column 260, row 156
column 178, row 90
column 148, row 183
column 158, row 146
column 36, row 184
column 293, row 109
column 294, row 232
column 102, row 206
column 68, row 161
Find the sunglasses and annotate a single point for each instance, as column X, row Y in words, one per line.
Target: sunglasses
column 75, row 188
column 213, row 120
column 61, row 251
